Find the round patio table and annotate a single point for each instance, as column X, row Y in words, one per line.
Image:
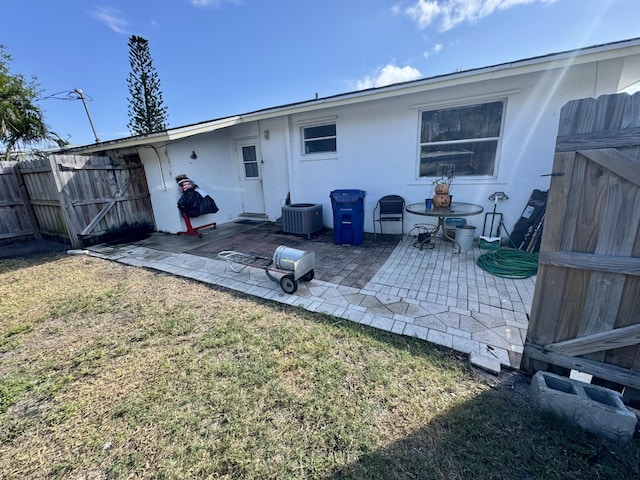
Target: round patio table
column 456, row 209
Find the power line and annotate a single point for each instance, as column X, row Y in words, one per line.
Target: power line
column 75, row 94
column 69, row 96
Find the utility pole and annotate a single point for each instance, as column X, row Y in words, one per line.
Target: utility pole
column 81, row 95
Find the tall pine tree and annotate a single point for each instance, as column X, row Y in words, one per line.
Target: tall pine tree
column 147, row 114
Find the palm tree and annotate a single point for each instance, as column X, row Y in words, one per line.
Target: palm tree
column 21, row 121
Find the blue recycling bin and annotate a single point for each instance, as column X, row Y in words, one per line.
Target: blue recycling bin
column 348, row 216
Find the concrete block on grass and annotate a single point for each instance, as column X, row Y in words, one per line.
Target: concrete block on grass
column 593, row 408
column 487, row 363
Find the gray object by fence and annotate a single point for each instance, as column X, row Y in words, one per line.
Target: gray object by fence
column 464, row 236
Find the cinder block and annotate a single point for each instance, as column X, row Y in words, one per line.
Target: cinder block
column 631, row 397
column 593, row 408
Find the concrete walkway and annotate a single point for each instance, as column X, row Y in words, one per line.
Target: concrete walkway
column 433, row 294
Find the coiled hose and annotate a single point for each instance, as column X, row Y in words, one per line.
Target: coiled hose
column 509, row 263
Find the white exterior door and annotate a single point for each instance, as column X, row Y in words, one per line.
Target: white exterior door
column 250, row 176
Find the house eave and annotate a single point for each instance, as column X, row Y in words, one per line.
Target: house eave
column 120, row 143
column 556, row 61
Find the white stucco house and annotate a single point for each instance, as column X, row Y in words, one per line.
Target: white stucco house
column 497, row 124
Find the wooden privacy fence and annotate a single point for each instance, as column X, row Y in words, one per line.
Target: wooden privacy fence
column 16, row 216
column 586, row 306
column 85, row 199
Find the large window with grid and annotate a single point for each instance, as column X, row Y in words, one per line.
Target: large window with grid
column 464, row 138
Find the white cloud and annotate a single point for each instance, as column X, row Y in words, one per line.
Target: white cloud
column 212, row 3
column 424, row 12
column 387, row 75
column 112, row 18
column 450, row 13
column 437, row 48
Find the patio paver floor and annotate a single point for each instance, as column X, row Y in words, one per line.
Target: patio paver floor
column 433, row 294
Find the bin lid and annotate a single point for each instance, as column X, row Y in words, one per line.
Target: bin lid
column 347, row 196
column 454, row 221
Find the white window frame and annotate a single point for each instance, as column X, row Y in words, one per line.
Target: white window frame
column 468, row 103
column 318, row 122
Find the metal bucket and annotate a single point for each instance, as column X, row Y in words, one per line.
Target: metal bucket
column 464, row 236
column 293, row 260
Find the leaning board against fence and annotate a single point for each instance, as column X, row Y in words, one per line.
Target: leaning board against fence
column 585, row 313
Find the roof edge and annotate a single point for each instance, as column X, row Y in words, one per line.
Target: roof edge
column 554, row 60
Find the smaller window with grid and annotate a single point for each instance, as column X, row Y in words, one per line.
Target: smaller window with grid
column 319, row 139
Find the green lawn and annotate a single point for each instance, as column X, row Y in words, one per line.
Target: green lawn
column 110, row 372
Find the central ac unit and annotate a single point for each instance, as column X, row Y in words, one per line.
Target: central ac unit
column 303, row 219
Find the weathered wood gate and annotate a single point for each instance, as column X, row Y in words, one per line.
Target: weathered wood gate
column 16, row 215
column 586, row 306
column 85, row 199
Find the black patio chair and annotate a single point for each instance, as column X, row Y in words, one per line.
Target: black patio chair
column 389, row 208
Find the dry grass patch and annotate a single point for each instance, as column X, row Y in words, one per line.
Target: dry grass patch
column 109, row 371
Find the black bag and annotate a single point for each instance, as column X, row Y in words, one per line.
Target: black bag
column 193, row 204
column 424, row 237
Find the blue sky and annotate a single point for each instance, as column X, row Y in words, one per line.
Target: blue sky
column 217, row 58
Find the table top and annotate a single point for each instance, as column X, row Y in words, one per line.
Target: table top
column 456, row 209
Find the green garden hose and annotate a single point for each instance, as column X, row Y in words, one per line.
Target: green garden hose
column 509, row 263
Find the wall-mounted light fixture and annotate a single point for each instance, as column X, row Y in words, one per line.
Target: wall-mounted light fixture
column 193, row 155
column 267, row 134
